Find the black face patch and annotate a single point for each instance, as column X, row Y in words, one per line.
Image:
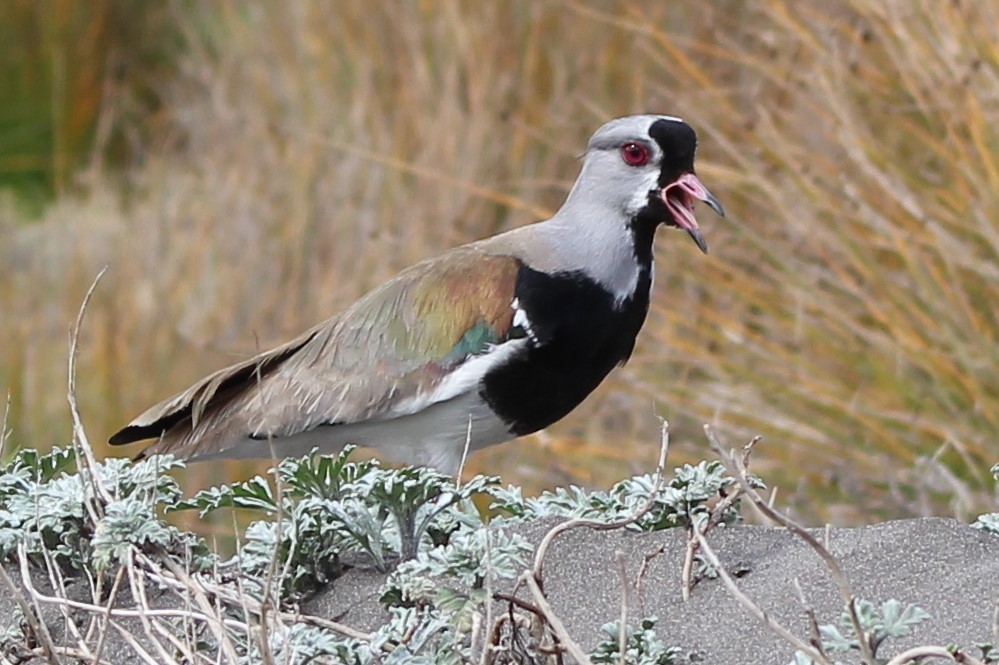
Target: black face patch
column 581, row 333
column 678, row 141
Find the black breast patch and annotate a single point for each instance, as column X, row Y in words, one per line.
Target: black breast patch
column 580, row 335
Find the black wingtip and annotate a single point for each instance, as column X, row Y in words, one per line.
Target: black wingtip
column 131, row 434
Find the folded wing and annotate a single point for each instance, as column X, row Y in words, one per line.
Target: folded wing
column 386, row 356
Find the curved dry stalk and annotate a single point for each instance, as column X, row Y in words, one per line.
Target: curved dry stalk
column 919, row 653
column 516, row 621
column 138, row 589
column 813, row 623
column 714, row 519
column 533, row 578
column 106, row 619
column 84, row 451
column 687, row 570
column 642, row 570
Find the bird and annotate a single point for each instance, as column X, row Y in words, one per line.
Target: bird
column 482, row 344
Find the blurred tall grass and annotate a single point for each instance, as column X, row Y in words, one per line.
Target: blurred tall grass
column 296, row 154
column 78, row 86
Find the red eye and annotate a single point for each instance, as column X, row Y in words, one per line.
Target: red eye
column 635, row 154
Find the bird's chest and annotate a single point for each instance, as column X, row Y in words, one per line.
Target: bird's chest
column 579, row 331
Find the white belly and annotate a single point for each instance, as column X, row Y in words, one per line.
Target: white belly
column 433, row 437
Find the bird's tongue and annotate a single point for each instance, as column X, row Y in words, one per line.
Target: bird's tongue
column 679, row 199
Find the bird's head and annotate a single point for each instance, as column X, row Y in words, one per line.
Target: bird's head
column 643, row 166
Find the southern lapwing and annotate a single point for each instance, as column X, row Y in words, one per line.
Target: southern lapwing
column 485, row 343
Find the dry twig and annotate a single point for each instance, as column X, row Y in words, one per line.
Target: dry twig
column 813, row 623
column 86, row 461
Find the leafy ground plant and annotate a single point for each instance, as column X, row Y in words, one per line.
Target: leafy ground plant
column 689, row 496
column 45, row 511
column 322, row 514
column 324, row 508
column 877, row 624
column 641, row 646
column 320, row 511
column 989, row 521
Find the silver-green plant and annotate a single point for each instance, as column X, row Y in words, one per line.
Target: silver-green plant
column 642, row 645
column 990, row 521
column 877, row 624
column 687, row 497
column 46, row 511
column 329, row 507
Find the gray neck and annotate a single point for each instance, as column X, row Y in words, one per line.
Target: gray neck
column 596, row 238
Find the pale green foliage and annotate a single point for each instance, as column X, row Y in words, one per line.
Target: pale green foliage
column 321, row 509
column 468, row 559
column 325, row 508
column 641, row 646
column 330, row 507
column 990, row 521
column 409, row 637
column 126, row 523
column 990, row 654
column 687, row 497
column 411, row 499
column 45, row 510
column 891, row 619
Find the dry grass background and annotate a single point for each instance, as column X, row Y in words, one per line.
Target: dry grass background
column 299, row 153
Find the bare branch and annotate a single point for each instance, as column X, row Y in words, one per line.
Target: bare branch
column 145, row 613
column 813, row 623
column 464, row 454
column 687, row 571
column 216, row 622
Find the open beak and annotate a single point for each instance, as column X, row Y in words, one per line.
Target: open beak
column 679, row 199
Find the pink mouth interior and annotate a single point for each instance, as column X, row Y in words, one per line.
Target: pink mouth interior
column 679, row 198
